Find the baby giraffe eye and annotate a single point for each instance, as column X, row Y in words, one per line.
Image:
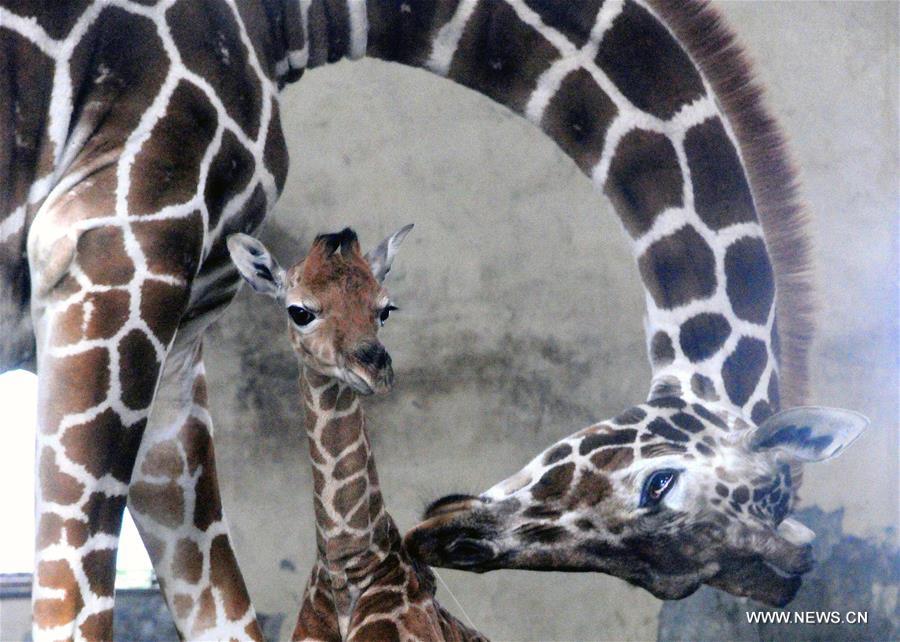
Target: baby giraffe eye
column 385, row 313
column 656, row 487
column 300, row 315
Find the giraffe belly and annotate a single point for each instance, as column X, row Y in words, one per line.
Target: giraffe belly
column 130, row 76
column 26, row 155
column 16, row 333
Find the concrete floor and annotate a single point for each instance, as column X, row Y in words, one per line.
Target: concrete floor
column 522, row 312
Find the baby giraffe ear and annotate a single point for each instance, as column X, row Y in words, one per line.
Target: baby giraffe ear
column 256, row 265
column 381, row 257
column 812, row 433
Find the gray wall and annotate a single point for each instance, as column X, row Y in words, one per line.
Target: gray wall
column 521, row 317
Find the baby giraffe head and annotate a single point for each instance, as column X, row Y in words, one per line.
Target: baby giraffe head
column 667, row 496
column 335, row 303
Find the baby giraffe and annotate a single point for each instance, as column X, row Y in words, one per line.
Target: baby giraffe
column 364, row 585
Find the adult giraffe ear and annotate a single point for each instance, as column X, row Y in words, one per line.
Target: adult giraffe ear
column 812, row 433
column 381, row 257
column 256, row 265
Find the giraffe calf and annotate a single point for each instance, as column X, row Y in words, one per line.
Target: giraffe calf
column 364, row 585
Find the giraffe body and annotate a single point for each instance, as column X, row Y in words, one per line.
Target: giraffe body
column 137, row 135
column 364, row 585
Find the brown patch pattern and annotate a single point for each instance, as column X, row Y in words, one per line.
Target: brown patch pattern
column 161, row 502
column 721, row 193
column 644, row 179
column 500, row 56
column 405, row 36
column 208, row 39
column 678, row 269
column 554, row 483
column 578, row 117
column 647, row 64
column 611, row 459
column 189, row 126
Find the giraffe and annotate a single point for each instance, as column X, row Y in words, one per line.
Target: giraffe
column 137, row 135
column 134, row 136
column 364, row 585
column 696, row 484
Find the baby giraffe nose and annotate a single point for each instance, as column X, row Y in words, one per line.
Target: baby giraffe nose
column 373, row 355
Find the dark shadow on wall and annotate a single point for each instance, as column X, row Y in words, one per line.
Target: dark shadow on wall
column 852, row 576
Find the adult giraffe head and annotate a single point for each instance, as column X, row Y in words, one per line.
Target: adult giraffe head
column 334, row 300
column 667, row 496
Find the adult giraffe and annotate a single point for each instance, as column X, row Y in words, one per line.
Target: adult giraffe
column 136, row 135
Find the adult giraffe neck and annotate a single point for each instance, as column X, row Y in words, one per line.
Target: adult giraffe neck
column 354, row 532
column 655, row 103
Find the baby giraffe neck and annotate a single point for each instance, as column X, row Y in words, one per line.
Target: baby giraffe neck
column 354, row 533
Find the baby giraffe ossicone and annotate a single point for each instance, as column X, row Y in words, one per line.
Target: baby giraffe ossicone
column 364, row 585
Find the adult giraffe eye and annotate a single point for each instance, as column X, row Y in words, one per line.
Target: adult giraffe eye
column 385, row 313
column 300, row 315
column 656, row 487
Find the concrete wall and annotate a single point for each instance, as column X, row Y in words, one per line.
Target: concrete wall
column 521, row 315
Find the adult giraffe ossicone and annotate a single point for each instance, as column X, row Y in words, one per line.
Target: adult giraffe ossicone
column 364, row 586
column 136, row 135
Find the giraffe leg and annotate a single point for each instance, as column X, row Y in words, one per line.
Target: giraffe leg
column 174, row 499
column 94, row 399
column 108, row 295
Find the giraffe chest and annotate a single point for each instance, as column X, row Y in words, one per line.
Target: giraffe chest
column 159, row 126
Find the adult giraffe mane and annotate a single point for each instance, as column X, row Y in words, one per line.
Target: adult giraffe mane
column 773, row 179
column 714, row 47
